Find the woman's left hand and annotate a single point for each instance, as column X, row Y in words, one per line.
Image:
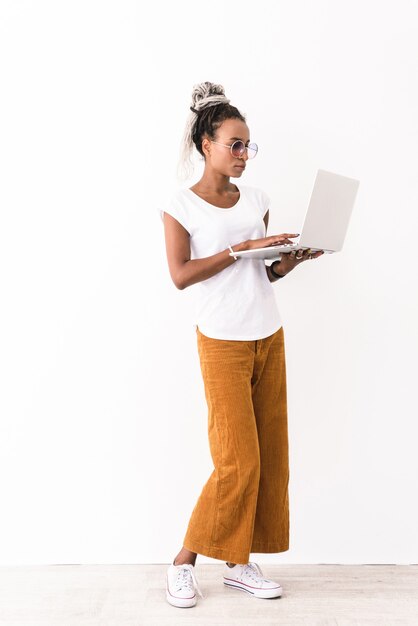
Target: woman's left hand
column 290, row 260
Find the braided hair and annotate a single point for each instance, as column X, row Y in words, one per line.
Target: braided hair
column 210, row 107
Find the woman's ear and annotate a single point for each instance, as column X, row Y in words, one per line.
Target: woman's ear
column 206, row 145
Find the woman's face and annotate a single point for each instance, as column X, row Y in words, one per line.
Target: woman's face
column 219, row 158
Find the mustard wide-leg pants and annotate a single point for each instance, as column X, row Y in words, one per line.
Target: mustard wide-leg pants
column 244, row 505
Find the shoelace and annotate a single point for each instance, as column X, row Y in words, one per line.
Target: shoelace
column 254, row 570
column 186, row 578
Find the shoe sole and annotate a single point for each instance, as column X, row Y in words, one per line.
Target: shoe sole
column 276, row 592
column 179, row 602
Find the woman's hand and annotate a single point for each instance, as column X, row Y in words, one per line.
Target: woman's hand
column 273, row 240
column 289, row 260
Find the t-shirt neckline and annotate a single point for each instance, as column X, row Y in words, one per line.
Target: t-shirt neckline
column 219, row 208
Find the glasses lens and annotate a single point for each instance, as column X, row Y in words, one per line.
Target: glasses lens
column 237, row 148
column 252, row 150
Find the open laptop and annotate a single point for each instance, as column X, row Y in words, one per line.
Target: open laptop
column 326, row 220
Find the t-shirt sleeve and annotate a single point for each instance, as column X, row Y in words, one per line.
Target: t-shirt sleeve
column 265, row 203
column 176, row 210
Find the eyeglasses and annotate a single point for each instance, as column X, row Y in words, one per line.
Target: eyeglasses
column 238, row 148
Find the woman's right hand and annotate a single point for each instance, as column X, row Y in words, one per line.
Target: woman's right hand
column 272, row 240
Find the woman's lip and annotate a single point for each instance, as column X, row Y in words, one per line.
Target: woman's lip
column 242, row 167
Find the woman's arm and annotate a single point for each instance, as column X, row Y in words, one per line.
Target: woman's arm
column 276, row 264
column 185, row 272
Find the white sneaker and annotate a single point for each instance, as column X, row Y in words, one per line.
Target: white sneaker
column 181, row 585
column 249, row 577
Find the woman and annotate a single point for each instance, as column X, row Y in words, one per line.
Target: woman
column 244, row 505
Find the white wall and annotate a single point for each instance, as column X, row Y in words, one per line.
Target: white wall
column 103, row 447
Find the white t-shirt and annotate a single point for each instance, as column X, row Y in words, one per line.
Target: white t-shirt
column 238, row 302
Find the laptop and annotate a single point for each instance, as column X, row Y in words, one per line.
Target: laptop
column 326, row 220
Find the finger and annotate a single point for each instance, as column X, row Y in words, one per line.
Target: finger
column 286, row 235
column 280, row 241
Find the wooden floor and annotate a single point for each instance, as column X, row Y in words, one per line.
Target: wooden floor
column 134, row 595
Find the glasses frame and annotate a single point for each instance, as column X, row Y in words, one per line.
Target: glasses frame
column 242, row 152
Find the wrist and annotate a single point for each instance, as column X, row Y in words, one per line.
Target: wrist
column 274, row 271
column 239, row 247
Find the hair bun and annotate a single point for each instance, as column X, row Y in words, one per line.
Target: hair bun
column 207, row 94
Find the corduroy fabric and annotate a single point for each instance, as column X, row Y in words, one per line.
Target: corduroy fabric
column 244, row 505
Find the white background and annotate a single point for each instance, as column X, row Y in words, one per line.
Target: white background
column 103, row 446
